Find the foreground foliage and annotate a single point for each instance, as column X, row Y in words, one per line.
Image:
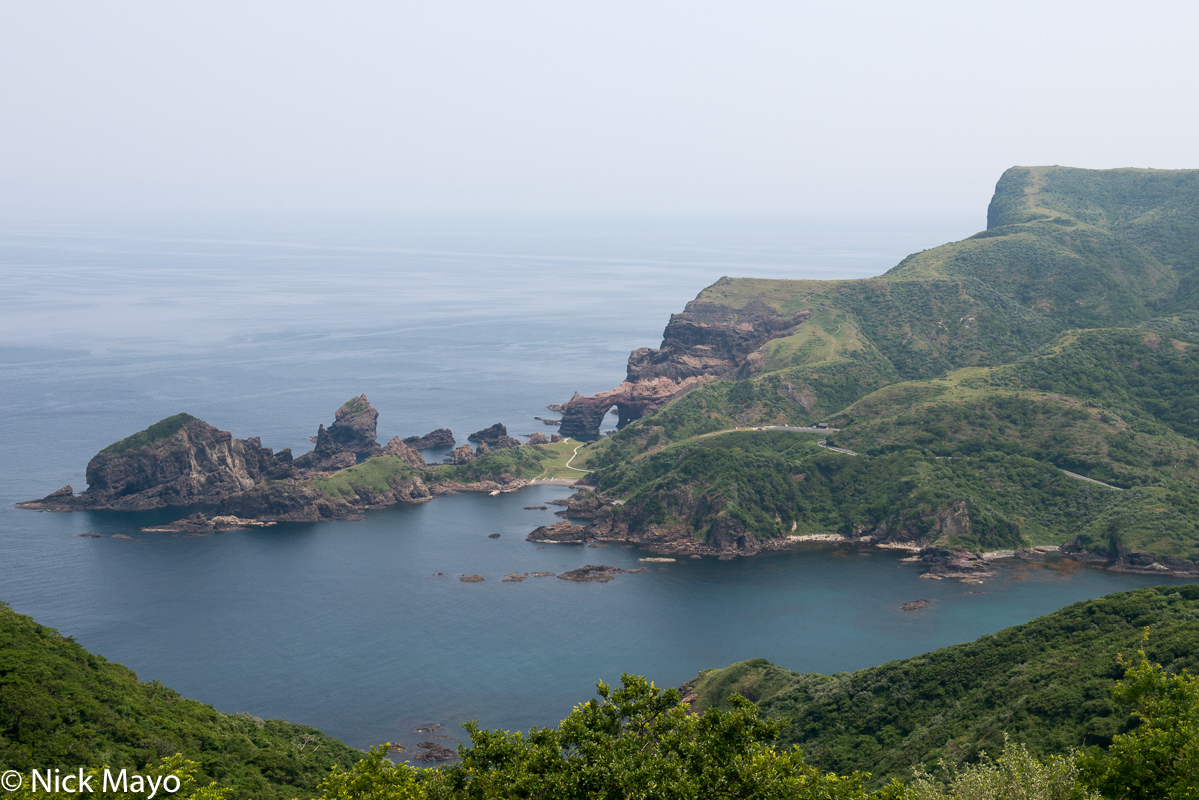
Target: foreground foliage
column 1015, row 775
column 639, row 742
column 61, row 706
column 175, row 766
column 1046, row 683
column 1159, row 759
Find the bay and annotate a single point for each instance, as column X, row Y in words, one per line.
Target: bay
column 265, row 326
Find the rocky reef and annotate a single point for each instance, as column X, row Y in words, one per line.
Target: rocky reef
column 597, row 573
column 705, row 342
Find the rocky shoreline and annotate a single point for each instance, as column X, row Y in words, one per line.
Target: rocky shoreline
column 183, row 461
column 731, row 541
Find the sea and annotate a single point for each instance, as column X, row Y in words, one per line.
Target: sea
column 264, row 325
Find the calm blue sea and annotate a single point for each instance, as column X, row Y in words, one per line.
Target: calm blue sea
column 263, row 327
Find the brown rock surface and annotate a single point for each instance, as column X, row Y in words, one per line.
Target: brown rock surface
column 462, row 455
column 705, row 342
column 496, row 437
column 397, row 447
column 597, row 573
column 442, row 437
column 558, row 532
column 180, row 460
column 353, row 432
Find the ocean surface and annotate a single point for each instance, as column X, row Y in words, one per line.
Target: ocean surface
column 264, row 327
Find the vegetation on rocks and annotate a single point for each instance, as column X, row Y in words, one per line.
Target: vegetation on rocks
column 163, row 429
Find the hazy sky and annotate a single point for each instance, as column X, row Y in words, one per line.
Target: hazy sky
column 580, row 107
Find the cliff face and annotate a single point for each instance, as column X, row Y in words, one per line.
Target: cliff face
column 351, row 436
column 183, row 461
column 179, row 461
column 705, row 342
column 496, row 437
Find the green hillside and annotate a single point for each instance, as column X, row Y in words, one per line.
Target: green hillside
column 64, row 707
column 1061, row 335
column 1046, row 684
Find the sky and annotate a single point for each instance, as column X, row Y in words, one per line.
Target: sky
column 564, row 107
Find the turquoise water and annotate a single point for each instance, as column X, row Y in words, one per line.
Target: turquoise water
column 347, row 625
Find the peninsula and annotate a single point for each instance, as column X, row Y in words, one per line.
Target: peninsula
column 1034, row 385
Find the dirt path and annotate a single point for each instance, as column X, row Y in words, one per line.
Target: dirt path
column 572, row 458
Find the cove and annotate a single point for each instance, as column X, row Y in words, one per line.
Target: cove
column 347, row 626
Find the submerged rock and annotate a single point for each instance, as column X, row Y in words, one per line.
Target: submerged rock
column 435, row 752
column 595, row 573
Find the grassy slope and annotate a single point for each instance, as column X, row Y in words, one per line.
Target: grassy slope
column 779, row 483
column 1046, row 683
column 163, row 429
column 380, row 474
column 373, row 476
column 63, row 706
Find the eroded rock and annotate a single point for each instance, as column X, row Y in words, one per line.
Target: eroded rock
column 496, row 437
column 442, row 437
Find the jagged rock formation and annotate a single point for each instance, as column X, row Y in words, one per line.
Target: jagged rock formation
column 397, row 447
column 537, row 438
column 180, row 460
column 496, row 437
column 352, row 433
column 462, row 455
column 442, row 437
column 555, row 438
column 705, row 342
